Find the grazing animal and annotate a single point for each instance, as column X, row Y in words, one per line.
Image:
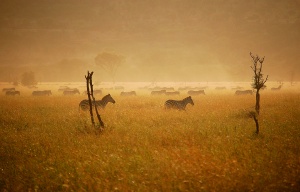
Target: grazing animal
column 71, row 91
column 179, row 105
column 173, row 93
column 276, row 88
column 243, row 92
column 8, row 89
column 42, row 93
column 12, row 93
column 199, row 92
column 63, row 88
column 161, row 92
column 130, row 93
column 84, row 104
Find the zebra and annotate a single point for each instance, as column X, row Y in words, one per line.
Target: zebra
column 179, row 105
column 42, row 93
column 8, row 89
column 245, row 92
column 63, row 88
column 276, row 88
column 172, row 93
column 12, row 93
column 199, row 92
column 161, row 92
column 71, row 91
column 84, row 104
column 130, row 93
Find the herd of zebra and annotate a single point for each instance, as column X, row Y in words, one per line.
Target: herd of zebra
column 169, row 104
column 169, row 91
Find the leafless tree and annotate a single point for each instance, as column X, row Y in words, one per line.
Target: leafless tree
column 90, row 93
column 258, row 79
column 258, row 83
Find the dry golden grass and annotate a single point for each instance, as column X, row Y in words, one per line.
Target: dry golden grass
column 46, row 144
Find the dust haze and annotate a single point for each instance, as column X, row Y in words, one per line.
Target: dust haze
column 170, row 40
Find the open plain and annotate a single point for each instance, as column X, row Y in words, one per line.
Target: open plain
column 48, row 144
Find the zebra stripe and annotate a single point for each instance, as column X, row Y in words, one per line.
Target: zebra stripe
column 84, row 104
column 180, row 105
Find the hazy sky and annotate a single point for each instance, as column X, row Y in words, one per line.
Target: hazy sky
column 162, row 40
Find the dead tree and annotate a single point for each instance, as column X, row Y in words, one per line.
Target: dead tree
column 258, row 80
column 91, row 98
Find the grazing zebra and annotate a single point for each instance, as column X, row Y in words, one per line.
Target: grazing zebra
column 71, row 91
column 172, row 93
column 161, row 92
column 42, row 93
column 180, row 105
column 12, row 93
column 276, row 88
column 199, row 92
column 84, row 104
column 8, row 89
column 129, row 93
column 63, row 88
column 245, row 92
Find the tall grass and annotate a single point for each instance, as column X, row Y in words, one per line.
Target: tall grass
column 46, row 144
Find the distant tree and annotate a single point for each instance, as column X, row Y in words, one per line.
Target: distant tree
column 110, row 63
column 28, row 79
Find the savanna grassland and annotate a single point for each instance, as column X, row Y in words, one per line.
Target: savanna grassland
column 47, row 144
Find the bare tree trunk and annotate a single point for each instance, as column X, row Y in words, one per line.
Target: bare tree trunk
column 94, row 101
column 256, row 123
column 257, row 105
column 254, row 116
column 88, row 77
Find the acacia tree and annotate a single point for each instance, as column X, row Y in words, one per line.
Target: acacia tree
column 258, row 80
column 109, row 62
column 28, row 79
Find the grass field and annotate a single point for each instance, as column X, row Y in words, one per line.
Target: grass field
column 46, row 144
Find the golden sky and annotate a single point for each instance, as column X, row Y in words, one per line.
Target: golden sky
column 162, row 40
